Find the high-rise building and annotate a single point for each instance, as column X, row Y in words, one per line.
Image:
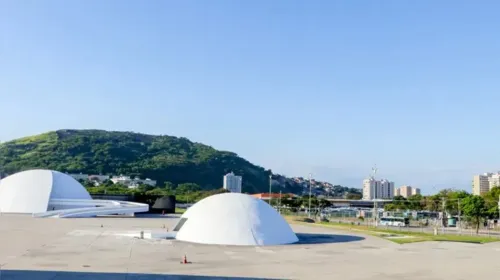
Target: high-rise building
column 482, row 183
column 232, row 182
column 494, row 181
column 415, row 191
column 374, row 189
column 407, row 191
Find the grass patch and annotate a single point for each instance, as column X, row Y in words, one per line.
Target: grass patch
column 402, row 237
column 180, row 210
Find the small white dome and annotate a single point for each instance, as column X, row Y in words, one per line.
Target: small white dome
column 234, row 219
column 30, row 191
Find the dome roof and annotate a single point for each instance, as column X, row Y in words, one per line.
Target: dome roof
column 31, row 191
column 234, row 219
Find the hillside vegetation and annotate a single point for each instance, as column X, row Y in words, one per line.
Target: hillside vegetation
column 162, row 158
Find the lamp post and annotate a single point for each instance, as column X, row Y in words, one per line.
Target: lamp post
column 310, row 189
column 270, row 186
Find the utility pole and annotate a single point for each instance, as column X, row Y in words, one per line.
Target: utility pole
column 459, row 219
column 310, row 191
column 443, row 215
column 498, row 222
column 280, row 204
column 270, row 186
column 375, row 212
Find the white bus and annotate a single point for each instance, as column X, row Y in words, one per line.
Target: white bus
column 394, row 221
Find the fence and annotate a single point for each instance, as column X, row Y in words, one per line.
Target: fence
column 364, row 218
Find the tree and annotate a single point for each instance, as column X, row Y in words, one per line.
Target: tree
column 355, row 196
column 452, row 198
column 169, row 186
column 399, row 203
column 158, row 191
column 432, row 203
column 416, row 202
column 187, row 188
column 491, row 201
column 474, row 208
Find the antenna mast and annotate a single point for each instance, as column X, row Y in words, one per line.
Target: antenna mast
column 374, row 171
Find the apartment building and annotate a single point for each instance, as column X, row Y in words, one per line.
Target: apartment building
column 415, row 191
column 377, row 189
column 232, row 182
column 407, row 191
column 482, row 183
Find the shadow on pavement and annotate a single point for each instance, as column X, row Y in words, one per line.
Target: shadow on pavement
column 319, row 238
column 157, row 216
column 63, row 275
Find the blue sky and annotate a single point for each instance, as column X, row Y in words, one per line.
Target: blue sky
column 328, row 87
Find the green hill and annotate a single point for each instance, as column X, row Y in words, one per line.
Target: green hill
column 162, row 158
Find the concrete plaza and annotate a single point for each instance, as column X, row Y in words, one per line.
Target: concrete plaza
column 81, row 249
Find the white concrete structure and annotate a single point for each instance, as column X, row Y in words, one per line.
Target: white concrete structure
column 234, row 219
column 31, row 191
column 375, row 189
column 85, row 208
column 232, row 183
column 45, row 193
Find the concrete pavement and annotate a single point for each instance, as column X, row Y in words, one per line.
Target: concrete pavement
column 82, row 249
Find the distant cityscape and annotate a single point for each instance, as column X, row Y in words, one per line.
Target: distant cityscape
column 483, row 183
column 127, row 181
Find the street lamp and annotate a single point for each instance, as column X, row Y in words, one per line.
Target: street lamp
column 270, row 186
column 310, row 189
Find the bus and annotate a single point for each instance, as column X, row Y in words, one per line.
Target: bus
column 395, row 221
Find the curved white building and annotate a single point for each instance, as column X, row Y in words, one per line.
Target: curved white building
column 47, row 193
column 31, row 191
column 234, row 219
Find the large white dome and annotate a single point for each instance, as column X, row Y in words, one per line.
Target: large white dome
column 234, row 219
column 31, row 191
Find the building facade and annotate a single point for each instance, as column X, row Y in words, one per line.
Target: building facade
column 375, row 189
column 415, row 191
column 483, row 183
column 407, row 191
column 232, row 182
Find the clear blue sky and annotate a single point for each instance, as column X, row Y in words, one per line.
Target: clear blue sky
column 329, row 87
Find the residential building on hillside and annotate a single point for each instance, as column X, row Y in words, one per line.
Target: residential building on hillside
column 273, row 195
column 99, row 178
column 484, row 182
column 132, row 183
column 232, row 182
column 80, row 176
column 375, row 189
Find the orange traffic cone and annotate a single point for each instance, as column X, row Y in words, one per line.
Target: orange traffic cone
column 184, row 260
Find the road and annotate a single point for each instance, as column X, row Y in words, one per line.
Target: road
column 441, row 230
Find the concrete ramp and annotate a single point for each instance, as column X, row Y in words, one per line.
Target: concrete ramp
column 83, row 208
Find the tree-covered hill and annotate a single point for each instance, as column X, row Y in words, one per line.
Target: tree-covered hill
column 162, row 158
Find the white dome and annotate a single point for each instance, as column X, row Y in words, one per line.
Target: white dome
column 234, row 219
column 31, row 191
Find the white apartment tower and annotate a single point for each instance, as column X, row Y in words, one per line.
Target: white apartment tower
column 482, row 183
column 374, row 189
column 232, row 182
